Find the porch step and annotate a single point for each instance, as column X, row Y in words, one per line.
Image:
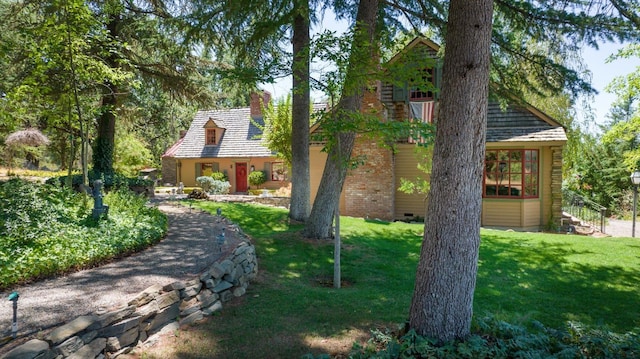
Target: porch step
column 575, row 225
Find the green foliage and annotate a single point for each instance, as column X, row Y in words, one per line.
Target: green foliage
column 213, row 186
column 30, row 210
column 103, row 156
column 131, row 154
column 600, row 174
column 47, row 230
column 220, row 187
column 421, row 184
column 599, row 168
column 498, row 339
column 276, row 132
column 257, row 178
column 219, row 176
column 205, row 182
column 522, row 277
column 624, row 136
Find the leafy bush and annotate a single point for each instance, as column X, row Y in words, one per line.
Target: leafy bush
column 220, row 187
column 497, row 339
column 47, row 230
column 29, row 210
column 256, row 178
column 210, row 185
column 219, row 176
column 205, row 182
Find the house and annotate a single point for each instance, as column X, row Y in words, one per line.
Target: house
column 224, row 141
column 523, row 161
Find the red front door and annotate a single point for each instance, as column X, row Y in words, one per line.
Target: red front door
column 241, row 177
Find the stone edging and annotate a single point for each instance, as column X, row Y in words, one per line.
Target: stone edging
column 112, row 333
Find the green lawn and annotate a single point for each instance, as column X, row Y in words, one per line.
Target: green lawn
column 289, row 310
column 559, row 278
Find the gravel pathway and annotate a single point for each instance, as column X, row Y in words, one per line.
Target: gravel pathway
column 621, row 228
column 188, row 248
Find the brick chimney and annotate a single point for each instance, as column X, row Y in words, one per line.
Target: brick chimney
column 258, row 99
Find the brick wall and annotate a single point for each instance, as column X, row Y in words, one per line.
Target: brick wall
column 256, row 100
column 369, row 191
column 369, row 188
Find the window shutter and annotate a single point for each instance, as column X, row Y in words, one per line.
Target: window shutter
column 438, row 78
column 198, row 169
column 400, row 93
column 267, row 171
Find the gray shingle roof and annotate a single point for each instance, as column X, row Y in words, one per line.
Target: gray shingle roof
column 525, row 134
column 238, row 139
column 520, row 124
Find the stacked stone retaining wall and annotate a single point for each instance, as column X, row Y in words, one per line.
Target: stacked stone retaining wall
column 109, row 334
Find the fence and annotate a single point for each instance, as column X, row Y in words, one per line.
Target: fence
column 587, row 211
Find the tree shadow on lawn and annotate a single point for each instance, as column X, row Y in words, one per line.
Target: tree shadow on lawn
column 286, row 314
column 542, row 283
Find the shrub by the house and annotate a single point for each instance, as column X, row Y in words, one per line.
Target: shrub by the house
column 257, row 178
column 219, row 176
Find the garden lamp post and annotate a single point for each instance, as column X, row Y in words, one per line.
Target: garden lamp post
column 14, row 325
column 635, row 181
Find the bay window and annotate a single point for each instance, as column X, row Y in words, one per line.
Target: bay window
column 511, row 174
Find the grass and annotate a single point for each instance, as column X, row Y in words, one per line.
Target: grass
column 290, row 311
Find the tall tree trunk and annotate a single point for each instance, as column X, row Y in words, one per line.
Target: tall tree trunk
column 105, row 139
column 300, row 185
column 360, row 63
column 442, row 304
column 328, row 197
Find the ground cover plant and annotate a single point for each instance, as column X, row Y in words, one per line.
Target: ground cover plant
column 47, row 230
column 524, row 279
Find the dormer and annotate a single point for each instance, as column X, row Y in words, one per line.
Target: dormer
column 416, row 72
column 212, row 133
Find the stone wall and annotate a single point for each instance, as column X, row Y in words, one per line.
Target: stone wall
column 556, row 187
column 169, row 171
column 109, row 334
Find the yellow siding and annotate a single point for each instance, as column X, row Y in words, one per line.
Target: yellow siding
column 408, row 205
column 531, row 211
column 187, row 170
column 507, row 213
column 317, row 159
column 527, row 213
column 502, row 213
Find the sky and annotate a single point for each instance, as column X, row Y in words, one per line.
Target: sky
column 603, row 73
